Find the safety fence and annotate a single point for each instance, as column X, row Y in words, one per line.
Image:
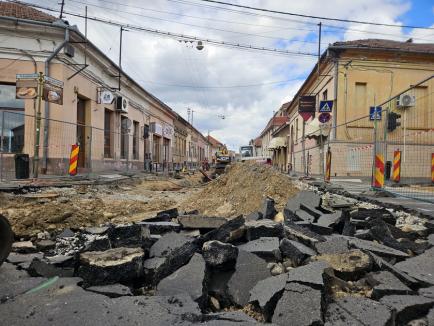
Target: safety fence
column 391, row 149
column 98, row 149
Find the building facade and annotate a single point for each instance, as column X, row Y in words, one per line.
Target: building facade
column 355, row 76
column 117, row 124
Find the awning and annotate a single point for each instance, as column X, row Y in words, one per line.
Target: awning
column 315, row 128
column 277, row 142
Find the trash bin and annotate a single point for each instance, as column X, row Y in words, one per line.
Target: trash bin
column 22, row 166
column 387, row 172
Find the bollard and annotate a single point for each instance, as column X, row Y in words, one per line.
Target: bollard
column 396, row 175
column 73, row 160
column 379, row 171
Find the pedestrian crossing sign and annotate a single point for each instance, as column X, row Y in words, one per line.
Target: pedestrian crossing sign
column 375, row 113
column 325, row 106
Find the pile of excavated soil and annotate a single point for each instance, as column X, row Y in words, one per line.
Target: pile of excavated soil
column 241, row 191
column 54, row 209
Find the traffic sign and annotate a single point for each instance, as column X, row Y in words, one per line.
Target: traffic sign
column 325, row 106
column 375, row 113
column 324, row 117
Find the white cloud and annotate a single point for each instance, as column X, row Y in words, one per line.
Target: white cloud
column 156, row 61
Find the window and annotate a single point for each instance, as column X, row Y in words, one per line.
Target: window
column 124, row 137
column 166, row 144
column 12, row 111
column 325, row 95
column 156, row 152
column 108, row 152
column 136, row 132
column 361, row 99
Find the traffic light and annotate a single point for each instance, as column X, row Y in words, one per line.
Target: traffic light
column 393, row 121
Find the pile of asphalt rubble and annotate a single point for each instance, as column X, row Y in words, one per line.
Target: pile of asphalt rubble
column 326, row 262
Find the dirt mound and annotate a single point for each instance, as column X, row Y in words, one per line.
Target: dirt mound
column 241, row 191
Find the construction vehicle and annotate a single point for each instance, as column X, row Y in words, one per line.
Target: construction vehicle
column 222, row 160
column 6, row 238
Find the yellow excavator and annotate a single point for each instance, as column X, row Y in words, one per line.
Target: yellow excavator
column 222, row 160
column 6, row 238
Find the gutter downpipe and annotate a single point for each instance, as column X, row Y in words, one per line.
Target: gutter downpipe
column 47, row 104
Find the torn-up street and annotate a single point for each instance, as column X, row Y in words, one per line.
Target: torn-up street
column 214, row 162
column 313, row 258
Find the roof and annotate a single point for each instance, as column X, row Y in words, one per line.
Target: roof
column 257, row 142
column 214, row 142
column 273, row 122
column 17, row 10
column 379, row 44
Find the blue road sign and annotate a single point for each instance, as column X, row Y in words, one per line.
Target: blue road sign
column 375, row 113
column 325, row 106
column 324, row 117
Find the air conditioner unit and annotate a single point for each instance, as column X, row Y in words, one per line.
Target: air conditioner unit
column 122, row 104
column 405, row 101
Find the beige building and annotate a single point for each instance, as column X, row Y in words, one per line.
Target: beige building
column 356, row 75
column 266, row 136
column 117, row 123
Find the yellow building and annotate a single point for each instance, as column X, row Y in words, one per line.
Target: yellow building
column 357, row 75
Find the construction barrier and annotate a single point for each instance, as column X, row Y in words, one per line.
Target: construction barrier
column 379, row 171
column 432, row 167
column 73, row 160
column 396, row 175
column 328, row 166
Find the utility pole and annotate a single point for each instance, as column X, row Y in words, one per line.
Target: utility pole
column 319, row 47
column 61, row 9
column 120, row 58
column 38, row 126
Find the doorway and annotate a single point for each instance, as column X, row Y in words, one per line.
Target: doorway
column 82, row 134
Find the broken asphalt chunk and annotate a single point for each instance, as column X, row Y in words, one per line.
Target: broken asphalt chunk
column 130, row 235
column 24, row 247
column 311, row 274
column 266, row 293
column 111, row 266
column 407, row 307
column 230, row 231
column 420, row 267
column 303, row 234
column 254, row 216
column 356, row 311
column 295, row 251
column 268, row 210
column 376, row 248
column 249, row 270
column 201, row 222
column 219, row 254
column 190, row 279
column 266, row 247
column 171, row 251
column 299, row 305
column 386, row 266
column 62, row 266
column 332, row 245
column 161, row 227
column 263, row 228
column 385, row 283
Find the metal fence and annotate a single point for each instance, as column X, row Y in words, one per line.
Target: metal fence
column 100, row 150
column 393, row 149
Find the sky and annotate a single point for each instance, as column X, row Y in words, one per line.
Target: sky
column 233, row 92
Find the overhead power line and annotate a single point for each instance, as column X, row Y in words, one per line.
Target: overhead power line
column 279, row 27
column 224, row 87
column 178, row 36
column 194, row 25
column 315, row 17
